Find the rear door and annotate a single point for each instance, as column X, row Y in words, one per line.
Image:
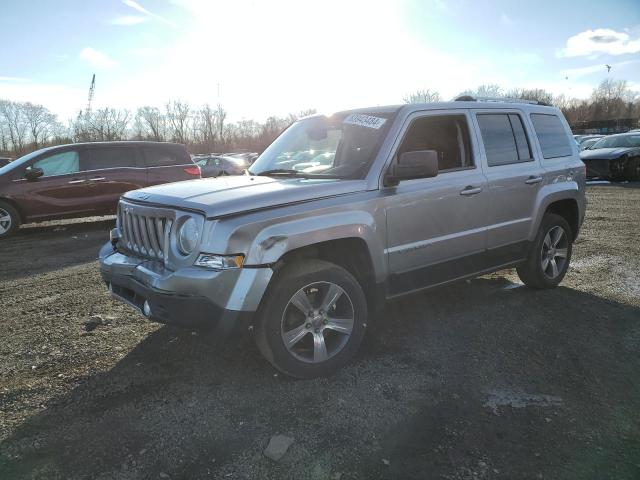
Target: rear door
column 166, row 164
column 61, row 191
column 514, row 176
column 112, row 171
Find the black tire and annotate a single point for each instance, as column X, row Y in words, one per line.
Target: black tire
column 532, row 271
column 632, row 169
column 277, row 312
column 8, row 227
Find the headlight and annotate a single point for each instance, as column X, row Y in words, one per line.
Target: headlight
column 188, row 236
column 219, row 262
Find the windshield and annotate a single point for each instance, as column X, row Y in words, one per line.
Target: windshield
column 339, row 146
column 618, row 141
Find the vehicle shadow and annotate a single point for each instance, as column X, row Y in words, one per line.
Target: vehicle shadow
column 38, row 248
column 416, row 395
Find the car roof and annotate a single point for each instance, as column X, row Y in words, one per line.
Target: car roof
column 451, row 105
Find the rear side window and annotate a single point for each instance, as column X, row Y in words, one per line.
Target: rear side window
column 504, row 138
column 552, row 136
column 118, row 157
column 161, row 157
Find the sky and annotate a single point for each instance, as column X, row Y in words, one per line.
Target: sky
column 260, row 58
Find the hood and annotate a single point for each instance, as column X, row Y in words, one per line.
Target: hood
column 221, row 196
column 605, row 153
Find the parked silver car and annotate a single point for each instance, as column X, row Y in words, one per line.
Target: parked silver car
column 414, row 196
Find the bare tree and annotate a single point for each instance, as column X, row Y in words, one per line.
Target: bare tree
column 152, row 123
column 178, row 120
column 423, row 96
column 15, row 125
column 41, row 123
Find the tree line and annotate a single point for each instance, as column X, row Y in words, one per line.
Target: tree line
column 25, row 127
column 611, row 100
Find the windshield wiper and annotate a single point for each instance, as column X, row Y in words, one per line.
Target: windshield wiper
column 280, row 171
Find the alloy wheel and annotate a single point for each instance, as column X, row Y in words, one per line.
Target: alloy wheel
column 5, row 221
column 554, row 252
column 317, row 322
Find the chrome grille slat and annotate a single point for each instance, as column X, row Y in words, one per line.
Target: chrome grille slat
column 142, row 227
column 160, row 232
column 145, row 231
column 151, row 229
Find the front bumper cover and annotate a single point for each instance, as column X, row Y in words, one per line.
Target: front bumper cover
column 191, row 297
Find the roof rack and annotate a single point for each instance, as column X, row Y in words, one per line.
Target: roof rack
column 469, row 98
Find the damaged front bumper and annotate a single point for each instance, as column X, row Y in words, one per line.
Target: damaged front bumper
column 191, row 297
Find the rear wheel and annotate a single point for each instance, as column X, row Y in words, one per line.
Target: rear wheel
column 632, row 169
column 313, row 320
column 9, row 220
column 550, row 254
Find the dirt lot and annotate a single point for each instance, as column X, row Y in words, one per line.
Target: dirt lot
column 481, row 380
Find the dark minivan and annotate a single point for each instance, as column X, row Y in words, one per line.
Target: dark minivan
column 85, row 179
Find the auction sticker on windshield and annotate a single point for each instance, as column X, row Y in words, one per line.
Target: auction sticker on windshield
column 363, row 120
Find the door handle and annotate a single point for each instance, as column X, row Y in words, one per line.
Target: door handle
column 74, row 182
column 532, row 180
column 470, row 190
column 97, row 179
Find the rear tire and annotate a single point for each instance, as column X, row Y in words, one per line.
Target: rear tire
column 632, row 169
column 9, row 220
column 550, row 254
column 313, row 319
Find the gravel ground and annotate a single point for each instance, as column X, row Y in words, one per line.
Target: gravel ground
column 483, row 379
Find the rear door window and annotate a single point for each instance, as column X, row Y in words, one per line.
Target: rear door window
column 552, row 136
column 62, row 163
column 505, row 141
column 110, row 157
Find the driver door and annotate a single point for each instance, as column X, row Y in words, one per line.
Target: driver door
column 437, row 227
column 62, row 190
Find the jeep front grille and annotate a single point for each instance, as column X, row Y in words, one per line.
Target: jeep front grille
column 145, row 231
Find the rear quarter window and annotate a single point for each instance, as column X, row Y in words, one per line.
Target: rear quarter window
column 164, row 157
column 551, row 134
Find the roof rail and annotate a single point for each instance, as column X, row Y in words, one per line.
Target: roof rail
column 469, row 98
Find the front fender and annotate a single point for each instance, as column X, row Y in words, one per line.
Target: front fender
column 271, row 243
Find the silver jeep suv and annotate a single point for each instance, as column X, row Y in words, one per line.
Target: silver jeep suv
column 344, row 211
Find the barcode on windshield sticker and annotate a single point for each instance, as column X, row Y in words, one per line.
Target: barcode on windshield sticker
column 362, row 120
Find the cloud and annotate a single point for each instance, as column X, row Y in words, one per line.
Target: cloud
column 15, row 79
column 506, row 19
column 136, row 6
column 128, row 20
column 97, row 58
column 600, row 41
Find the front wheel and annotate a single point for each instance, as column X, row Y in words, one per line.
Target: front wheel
column 550, row 254
column 9, row 220
column 313, row 320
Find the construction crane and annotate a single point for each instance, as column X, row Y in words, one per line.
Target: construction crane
column 92, row 89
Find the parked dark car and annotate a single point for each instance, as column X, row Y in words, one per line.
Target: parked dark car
column 217, row 165
column 4, row 161
column 87, row 179
column 615, row 157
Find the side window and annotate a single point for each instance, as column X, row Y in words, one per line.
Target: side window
column 118, row 157
column 160, row 157
column 552, row 136
column 62, row 163
column 446, row 134
column 505, row 141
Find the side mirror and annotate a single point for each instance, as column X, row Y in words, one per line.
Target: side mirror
column 32, row 173
column 410, row 165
